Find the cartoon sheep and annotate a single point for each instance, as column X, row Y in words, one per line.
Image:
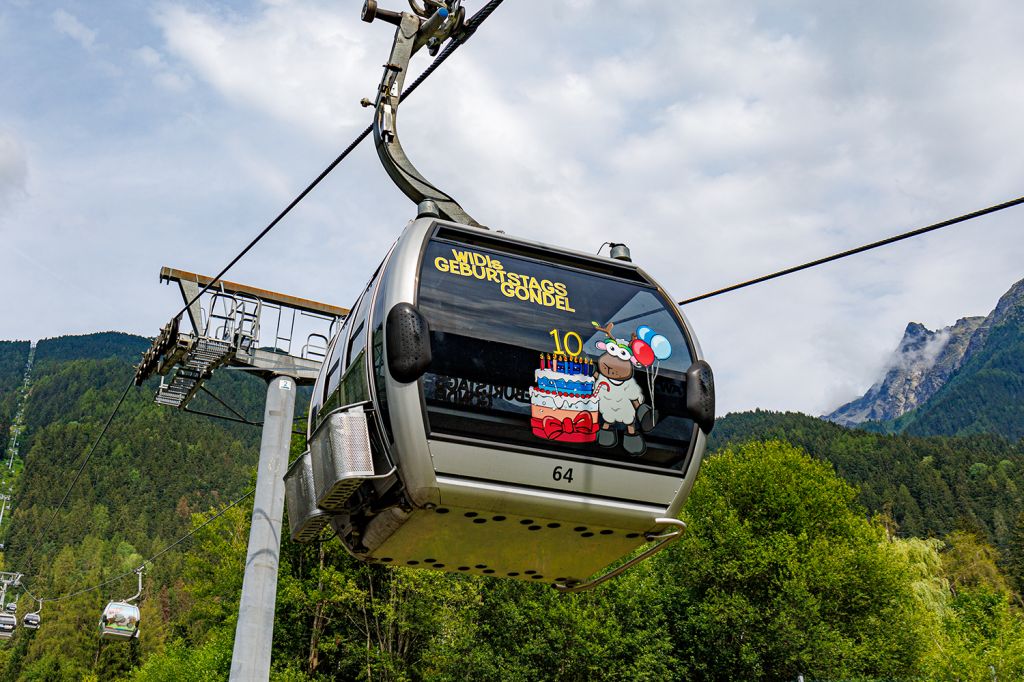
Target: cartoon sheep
column 620, row 400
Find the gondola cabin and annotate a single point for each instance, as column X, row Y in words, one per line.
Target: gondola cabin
column 120, row 621
column 31, row 621
column 8, row 624
column 12, row 607
column 503, row 407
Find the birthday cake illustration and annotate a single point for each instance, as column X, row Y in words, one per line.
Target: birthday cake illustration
column 562, row 404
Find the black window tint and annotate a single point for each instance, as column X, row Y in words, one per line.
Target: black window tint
column 517, row 355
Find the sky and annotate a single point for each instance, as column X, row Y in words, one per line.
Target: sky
column 720, row 141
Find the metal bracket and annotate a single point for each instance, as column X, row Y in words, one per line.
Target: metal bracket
column 138, row 572
column 430, row 25
column 663, row 541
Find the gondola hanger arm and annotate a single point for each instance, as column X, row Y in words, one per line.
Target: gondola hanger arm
column 427, row 25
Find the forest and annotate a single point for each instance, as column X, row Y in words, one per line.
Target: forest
column 811, row 550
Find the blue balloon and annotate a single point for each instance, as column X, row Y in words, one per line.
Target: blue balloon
column 661, row 347
column 644, row 333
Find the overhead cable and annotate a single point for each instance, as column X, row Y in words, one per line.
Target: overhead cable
column 472, row 24
column 150, row 559
column 88, row 456
column 859, row 249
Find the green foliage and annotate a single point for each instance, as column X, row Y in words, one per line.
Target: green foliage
column 927, row 486
column 786, row 567
column 781, row 574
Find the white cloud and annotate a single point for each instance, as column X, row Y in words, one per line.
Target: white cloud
column 720, row 140
column 298, row 62
column 69, row 25
column 13, row 168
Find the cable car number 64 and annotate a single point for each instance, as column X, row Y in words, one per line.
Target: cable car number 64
column 560, row 474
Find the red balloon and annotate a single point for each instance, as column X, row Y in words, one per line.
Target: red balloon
column 642, row 352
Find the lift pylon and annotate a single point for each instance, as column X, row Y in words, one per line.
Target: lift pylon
column 251, row 329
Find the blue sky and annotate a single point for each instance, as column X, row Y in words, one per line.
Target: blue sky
column 719, row 140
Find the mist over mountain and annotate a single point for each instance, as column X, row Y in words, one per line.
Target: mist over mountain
column 964, row 379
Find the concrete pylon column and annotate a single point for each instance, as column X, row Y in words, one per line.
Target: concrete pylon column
column 254, row 634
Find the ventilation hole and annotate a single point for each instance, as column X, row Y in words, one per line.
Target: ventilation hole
column 513, row 574
column 498, row 518
column 526, row 522
column 479, row 520
column 442, row 510
column 586, row 535
column 481, row 566
column 470, row 515
column 537, row 577
column 412, row 562
column 607, row 532
column 632, row 535
column 430, row 561
column 386, row 559
column 554, row 525
column 438, row 565
column 488, row 571
column 580, row 529
column 559, row 580
column 533, row 528
column 530, row 572
column 463, row 568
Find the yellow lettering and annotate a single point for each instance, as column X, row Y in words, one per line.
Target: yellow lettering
column 548, row 298
column 508, row 290
column 461, row 256
column 560, row 288
column 493, row 276
column 441, row 263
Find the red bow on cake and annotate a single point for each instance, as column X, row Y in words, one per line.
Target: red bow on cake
column 580, row 429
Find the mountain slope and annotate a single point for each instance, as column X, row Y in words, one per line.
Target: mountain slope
column 929, row 486
column 962, row 380
column 986, row 395
column 920, row 366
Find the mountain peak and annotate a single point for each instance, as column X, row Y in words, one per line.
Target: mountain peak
column 921, row 364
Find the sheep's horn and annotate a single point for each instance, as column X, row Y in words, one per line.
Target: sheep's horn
column 607, row 329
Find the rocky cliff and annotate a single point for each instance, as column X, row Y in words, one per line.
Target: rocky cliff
column 920, row 366
column 967, row 378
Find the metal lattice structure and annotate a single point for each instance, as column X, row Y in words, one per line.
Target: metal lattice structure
column 235, row 325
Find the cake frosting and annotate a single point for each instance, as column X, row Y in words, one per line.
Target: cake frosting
column 563, row 406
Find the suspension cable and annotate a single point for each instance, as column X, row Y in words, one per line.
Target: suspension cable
column 859, row 249
column 472, row 24
column 150, row 559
